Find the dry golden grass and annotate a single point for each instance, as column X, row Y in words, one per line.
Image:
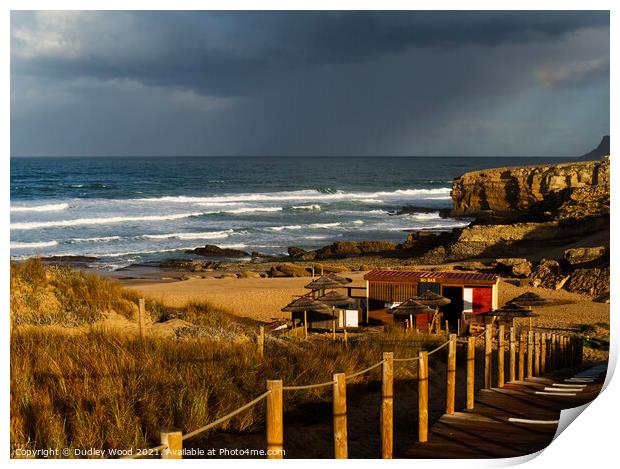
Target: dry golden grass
column 104, row 389
column 57, row 295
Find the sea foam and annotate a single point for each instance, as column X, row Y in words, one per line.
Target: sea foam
column 202, row 235
column 33, row 225
column 306, row 194
column 41, row 208
column 39, row 244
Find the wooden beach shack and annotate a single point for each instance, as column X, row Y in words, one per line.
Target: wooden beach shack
column 469, row 293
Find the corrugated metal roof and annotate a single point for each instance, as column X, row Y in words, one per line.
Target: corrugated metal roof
column 410, row 275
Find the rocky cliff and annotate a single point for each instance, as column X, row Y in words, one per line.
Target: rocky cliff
column 599, row 152
column 542, row 192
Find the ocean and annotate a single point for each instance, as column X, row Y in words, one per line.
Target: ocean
column 129, row 210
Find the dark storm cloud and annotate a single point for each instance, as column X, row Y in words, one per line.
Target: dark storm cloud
column 295, row 83
column 221, row 53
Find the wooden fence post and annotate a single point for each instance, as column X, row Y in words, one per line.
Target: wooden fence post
column 340, row 416
column 563, row 348
column 306, row 325
column 141, row 314
column 550, row 352
column 451, row 375
column 447, row 329
column 260, row 343
column 275, row 426
column 512, row 364
column 488, row 350
column 500, row 356
column 471, row 371
column 554, row 351
column 174, row 439
column 521, row 355
column 530, row 352
column 423, row 397
column 387, row 406
column 543, row 352
column 536, row 354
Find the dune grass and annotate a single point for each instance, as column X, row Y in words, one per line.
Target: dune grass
column 46, row 295
column 105, row 389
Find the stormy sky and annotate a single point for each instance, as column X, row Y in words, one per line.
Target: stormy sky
column 309, row 83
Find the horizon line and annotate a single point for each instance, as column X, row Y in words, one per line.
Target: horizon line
column 295, row 156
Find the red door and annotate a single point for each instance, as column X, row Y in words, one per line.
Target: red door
column 421, row 320
column 482, row 299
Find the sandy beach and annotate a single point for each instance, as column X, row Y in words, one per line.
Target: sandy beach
column 262, row 298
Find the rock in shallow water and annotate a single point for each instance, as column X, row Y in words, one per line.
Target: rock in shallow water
column 211, row 250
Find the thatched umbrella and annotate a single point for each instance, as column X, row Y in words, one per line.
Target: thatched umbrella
column 509, row 311
column 305, row 304
column 334, row 298
column 430, row 298
column 529, row 299
column 410, row 308
column 328, row 281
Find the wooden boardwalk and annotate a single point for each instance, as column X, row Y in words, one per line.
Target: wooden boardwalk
column 486, row 431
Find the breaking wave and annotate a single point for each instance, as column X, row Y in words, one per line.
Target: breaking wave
column 101, row 221
column 41, row 208
column 203, row 235
column 40, row 244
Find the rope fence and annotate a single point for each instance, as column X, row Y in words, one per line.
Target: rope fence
column 439, row 348
column 223, row 419
column 544, row 352
column 366, row 370
column 308, row 386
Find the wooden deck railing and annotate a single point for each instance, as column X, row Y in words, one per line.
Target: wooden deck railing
column 545, row 352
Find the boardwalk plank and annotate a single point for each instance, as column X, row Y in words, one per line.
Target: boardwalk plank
column 485, row 432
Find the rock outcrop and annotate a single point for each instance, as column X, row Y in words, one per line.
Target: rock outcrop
column 589, row 281
column 514, row 266
column 549, row 274
column 192, row 265
column 211, row 250
column 342, row 249
column 599, row 152
column 288, row 269
column 518, row 239
column 585, row 255
column 533, row 192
